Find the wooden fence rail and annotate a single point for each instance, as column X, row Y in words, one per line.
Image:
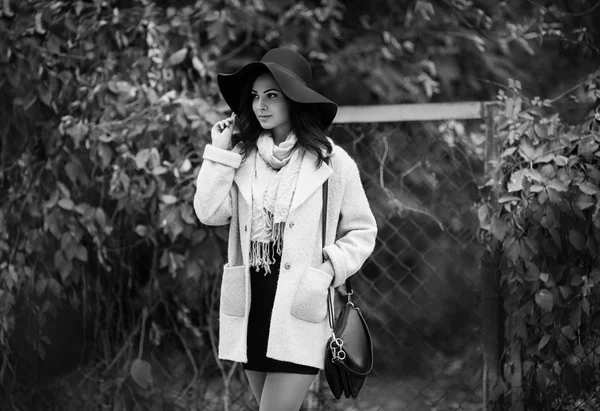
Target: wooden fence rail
column 464, row 110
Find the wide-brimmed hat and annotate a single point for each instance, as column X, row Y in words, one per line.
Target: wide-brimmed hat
column 291, row 72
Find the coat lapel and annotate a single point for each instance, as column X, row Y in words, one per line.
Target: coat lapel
column 310, row 178
column 243, row 177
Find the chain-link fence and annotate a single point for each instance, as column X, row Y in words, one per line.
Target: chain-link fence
column 420, row 289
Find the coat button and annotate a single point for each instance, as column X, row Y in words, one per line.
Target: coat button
column 287, row 266
column 291, row 224
column 245, row 228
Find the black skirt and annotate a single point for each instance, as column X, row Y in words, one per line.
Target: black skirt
column 263, row 289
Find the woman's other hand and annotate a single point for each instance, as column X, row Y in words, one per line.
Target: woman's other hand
column 222, row 131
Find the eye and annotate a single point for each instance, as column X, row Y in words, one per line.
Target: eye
column 254, row 96
column 272, row 95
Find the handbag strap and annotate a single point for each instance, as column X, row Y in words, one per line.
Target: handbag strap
column 348, row 283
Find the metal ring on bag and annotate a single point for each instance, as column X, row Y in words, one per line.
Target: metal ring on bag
column 336, row 343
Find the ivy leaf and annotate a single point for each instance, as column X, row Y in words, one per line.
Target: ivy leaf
column 483, row 214
column 187, row 214
column 193, row 270
column 568, row 332
column 168, row 199
column 77, row 132
column 560, row 161
column 585, row 305
column 533, row 271
column 575, row 316
column 71, row 171
column 565, row 291
column 159, row 170
column 577, row 239
column 70, row 249
column 541, row 130
column 141, row 158
column 543, row 377
column 141, row 372
column 595, row 277
column 54, row 287
column 45, row 95
column 536, row 188
column 102, row 221
column 81, row 253
column 596, row 216
column 587, row 145
column 154, row 158
column 545, row 300
column 526, row 150
column 544, row 158
column 583, row 202
column 554, row 196
column 556, row 237
column 533, row 175
column 593, row 173
column 119, row 87
column 40, row 286
column 499, row 228
column 588, row 188
column 218, row 31
column 186, row 166
column 506, row 199
column 141, row 230
column 178, row 57
column 543, row 342
column 66, row 203
column 105, row 154
column 513, row 251
column 558, row 185
column 63, row 265
column 515, row 182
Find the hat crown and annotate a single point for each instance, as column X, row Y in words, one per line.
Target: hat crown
column 290, row 60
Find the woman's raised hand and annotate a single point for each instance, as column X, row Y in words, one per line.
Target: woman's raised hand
column 222, row 131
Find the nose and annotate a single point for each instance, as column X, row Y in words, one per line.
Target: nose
column 260, row 104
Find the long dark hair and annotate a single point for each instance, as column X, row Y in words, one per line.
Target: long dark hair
column 305, row 120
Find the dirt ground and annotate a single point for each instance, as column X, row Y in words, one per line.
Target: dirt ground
column 441, row 394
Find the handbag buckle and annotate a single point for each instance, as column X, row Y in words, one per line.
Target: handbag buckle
column 337, row 349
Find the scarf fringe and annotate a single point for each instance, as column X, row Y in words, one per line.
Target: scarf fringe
column 262, row 255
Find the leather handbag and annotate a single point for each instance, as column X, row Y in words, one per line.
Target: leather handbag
column 349, row 353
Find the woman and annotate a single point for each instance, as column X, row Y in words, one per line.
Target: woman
column 268, row 187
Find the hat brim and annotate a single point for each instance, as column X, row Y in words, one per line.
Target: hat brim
column 231, row 86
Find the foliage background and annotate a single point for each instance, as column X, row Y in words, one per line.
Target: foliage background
column 105, row 110
column 543, row 234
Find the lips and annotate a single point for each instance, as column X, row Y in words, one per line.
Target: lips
column 263, row 117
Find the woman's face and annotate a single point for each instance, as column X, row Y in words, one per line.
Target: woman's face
column 271, row 106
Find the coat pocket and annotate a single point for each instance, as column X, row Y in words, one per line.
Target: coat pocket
column 233, row 291
column 310, row 302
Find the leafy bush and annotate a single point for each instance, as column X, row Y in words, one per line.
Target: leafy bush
column 546, row 225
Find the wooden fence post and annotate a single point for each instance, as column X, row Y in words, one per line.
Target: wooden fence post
column 492, row 313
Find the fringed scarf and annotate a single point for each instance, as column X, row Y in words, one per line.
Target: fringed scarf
column 274, row 182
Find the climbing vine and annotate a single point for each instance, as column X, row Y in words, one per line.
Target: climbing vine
column 546, row 226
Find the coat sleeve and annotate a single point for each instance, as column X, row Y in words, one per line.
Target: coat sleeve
column 212, row 200
column 357, row 230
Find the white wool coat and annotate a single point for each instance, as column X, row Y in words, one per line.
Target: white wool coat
column 299, row 327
